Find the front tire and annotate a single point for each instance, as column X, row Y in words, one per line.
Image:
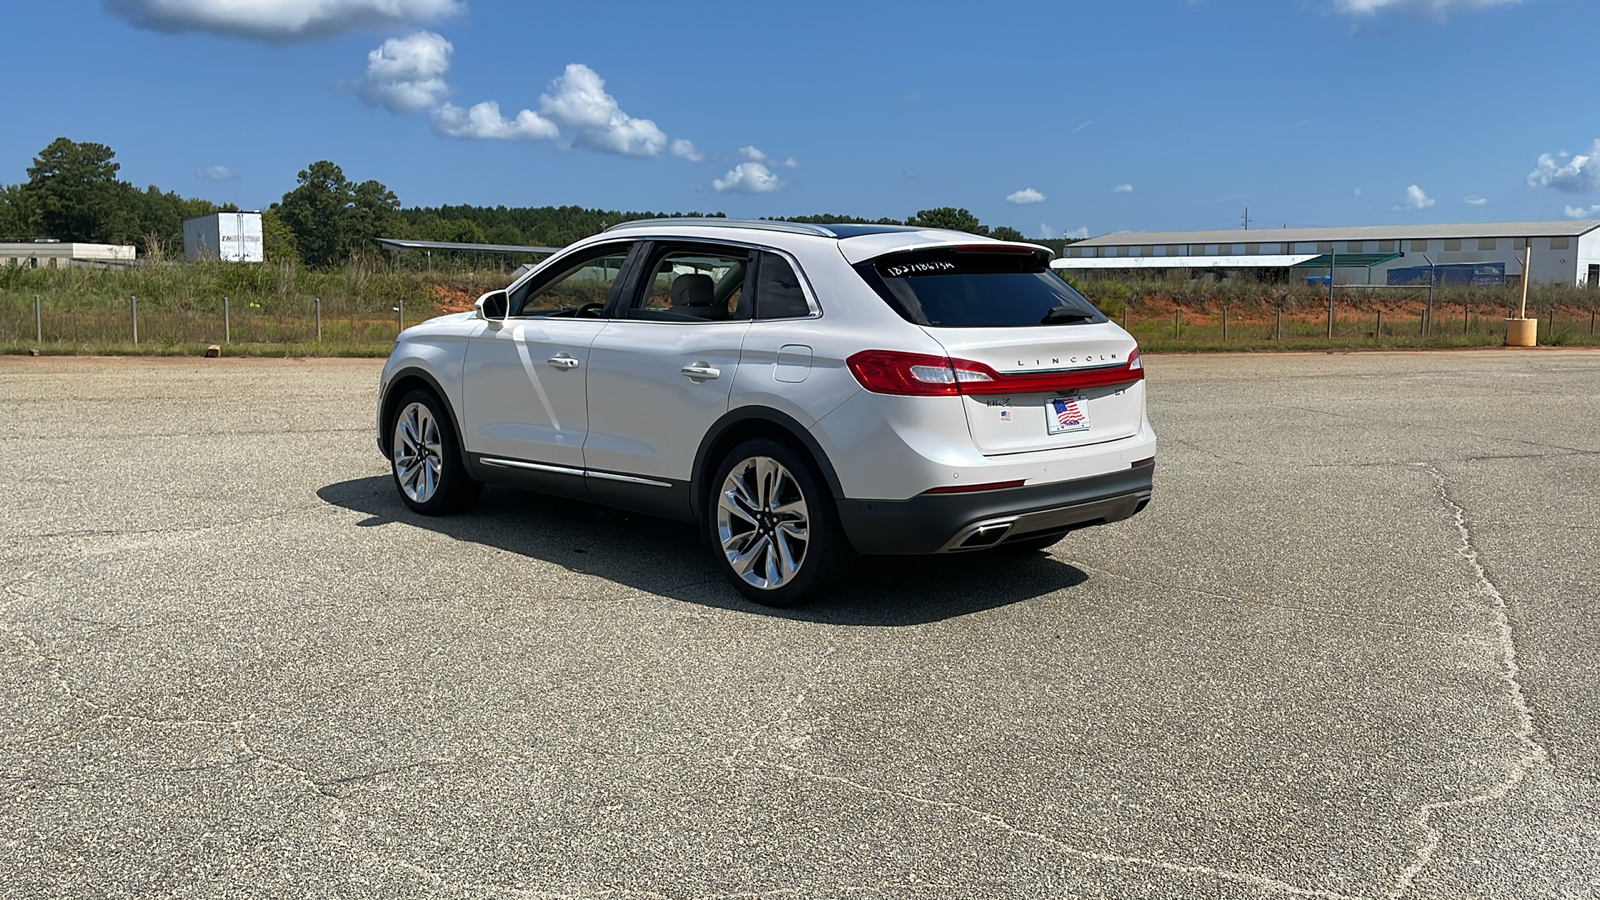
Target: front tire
column 425, row 457
column 774, row 532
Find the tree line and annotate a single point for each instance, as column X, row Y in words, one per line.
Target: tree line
column 73, row 194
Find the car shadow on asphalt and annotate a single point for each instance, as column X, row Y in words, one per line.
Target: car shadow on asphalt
column 667, row 558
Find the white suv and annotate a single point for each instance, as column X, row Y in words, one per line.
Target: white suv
column 801, row 393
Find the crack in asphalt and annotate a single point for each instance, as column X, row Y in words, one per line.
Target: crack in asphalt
column 1534, row 753
column 1099, row 856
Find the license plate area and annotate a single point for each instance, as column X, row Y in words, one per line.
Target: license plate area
column 1066, row 414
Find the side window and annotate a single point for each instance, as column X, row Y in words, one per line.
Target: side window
column 778, row 291
column 585, row 281
column 694, row 284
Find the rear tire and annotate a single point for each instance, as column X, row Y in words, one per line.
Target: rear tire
column 775, row 533
column 425, row 457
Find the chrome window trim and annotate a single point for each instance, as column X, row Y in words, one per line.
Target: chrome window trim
column 500, row 463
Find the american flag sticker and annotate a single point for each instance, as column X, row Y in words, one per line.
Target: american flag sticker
column 1068, row 414
column 1005, row 415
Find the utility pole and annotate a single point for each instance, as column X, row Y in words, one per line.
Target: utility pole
column 1247, row 218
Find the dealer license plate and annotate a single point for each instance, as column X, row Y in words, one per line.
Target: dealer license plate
column 1064, row 415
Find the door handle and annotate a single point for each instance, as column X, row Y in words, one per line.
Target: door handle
column 700, row 372
column 562, row 362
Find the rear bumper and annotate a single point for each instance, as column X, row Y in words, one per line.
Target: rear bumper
column 945, row 523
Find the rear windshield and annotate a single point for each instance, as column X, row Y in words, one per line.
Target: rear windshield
column 950, row 288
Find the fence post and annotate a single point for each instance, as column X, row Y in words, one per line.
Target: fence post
column 1224, row 321
column 1591, row 321
column 1378, row 335
column 1330, row 312
column 1177, row 323
column 1466, row 318
column 400, row 314
column 1124, row 318
column 319, row 320
column 1280, row 320
column 1427, row 316
column 227, row 322
column 38, row 322
column 135, row 308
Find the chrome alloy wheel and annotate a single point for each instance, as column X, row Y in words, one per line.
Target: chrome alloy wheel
column 763, row 523
column 418, row 453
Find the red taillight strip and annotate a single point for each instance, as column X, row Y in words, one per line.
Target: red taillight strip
column 1054, row 381
column 926, row 375
column 975, row 488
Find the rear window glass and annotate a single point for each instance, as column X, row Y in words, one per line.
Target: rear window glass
column 954, row 289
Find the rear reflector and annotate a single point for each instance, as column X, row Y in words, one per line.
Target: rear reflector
column 924, row 375
column 1140, row 463
column 976, row 488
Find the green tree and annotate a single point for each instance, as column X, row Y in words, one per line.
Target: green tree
column 374, row 213
column 73, row 193
column 332, row 219
column 316, row 213
column 14, row 216
column 1006, row 233
column 277, row 240
column 948, row 217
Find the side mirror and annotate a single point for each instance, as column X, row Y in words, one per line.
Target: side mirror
column 492, row 306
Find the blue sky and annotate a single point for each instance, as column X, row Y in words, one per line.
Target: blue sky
column 1050, row 117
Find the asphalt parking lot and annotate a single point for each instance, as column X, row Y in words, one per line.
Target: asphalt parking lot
column 1349, row 651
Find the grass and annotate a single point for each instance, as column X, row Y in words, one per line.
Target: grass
column 271, row 310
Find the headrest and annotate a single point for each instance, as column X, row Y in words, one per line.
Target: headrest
column 693, row 290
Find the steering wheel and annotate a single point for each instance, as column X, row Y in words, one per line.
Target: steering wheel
column 590, row 310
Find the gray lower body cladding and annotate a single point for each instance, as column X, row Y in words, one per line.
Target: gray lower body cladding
column 937, row 523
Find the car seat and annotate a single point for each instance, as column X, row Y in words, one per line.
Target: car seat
column 695, row 295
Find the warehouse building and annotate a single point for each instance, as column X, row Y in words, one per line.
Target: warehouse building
column 1563, row 253
column 65, row 254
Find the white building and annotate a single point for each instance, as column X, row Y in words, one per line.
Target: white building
column 226, row 236
column 1563, row 253
column 64, row 254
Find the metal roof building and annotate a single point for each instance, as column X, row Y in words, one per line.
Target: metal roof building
column 65, row 254
column 1563, row 252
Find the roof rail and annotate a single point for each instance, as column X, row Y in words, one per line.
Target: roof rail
column 754, row 224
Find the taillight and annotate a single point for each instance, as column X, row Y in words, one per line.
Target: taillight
column 916, row 374
column 924, row 375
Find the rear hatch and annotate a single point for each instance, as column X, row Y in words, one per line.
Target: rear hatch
column 1039, row 367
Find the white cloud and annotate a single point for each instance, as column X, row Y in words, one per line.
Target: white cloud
column 578, row 100
column 1578, row 212
column 1437, row 9
column 791, row 163
column 683, row 149
column 1474, row 201
column 1580, row 174
column 1077, row 234
column 1416, row 198
column 280, row 20
column 1024, row 197
column 748, row 178
column 1046, row 233
column 1122, row 189
column 406, row 75
column 216, row 173
column 753, row 154
column 484, row 122
column 1356, row 192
